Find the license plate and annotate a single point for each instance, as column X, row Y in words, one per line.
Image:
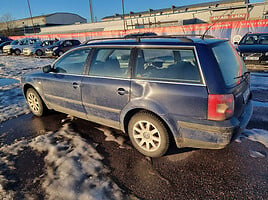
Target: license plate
column 246, row 95
column 251, row 58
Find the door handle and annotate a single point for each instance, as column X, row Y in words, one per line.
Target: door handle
column 121, row 91
column 75, row 85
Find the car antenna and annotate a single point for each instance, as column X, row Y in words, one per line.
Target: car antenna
column 204, row 34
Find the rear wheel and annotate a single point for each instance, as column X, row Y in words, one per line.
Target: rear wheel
column 148, row 134
column 35, row 102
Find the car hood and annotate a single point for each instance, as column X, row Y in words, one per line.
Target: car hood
column 52, row 47
column 7, row 47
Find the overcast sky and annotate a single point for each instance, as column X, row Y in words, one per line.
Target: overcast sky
column 19, row 8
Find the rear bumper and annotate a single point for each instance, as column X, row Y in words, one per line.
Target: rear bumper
column 216, row 135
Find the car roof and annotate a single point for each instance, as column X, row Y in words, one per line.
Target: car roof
column 264, row 33
column 156, row 40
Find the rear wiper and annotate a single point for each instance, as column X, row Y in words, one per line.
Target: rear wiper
column 242, row 76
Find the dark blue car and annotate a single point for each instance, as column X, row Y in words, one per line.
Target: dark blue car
column 253, row 48
column 156, row 89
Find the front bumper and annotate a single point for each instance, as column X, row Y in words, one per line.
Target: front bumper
column 213, row 136
column 50, row 53
column 27, row 53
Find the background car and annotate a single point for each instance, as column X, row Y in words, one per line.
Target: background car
column 4, row 44
column 38, row 48
column 17, row 48
column 4, row 39
column 61, row 46
column 253, row 48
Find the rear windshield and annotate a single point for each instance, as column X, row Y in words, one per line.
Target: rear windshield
column 231, row 65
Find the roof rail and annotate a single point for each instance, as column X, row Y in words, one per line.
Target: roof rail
column 182, row 38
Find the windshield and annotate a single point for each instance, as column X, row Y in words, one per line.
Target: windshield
column 231, row 65
column 15, row 42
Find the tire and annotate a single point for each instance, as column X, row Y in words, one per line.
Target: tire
column 35, row 103
column 17, row 52
column 148, row 134
column 60, row 53
column 39, row 52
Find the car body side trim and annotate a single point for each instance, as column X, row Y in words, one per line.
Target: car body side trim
column 63, row 99
column 102, row 108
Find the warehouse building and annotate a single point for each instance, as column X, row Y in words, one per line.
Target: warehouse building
column 25, row 26
column 211, row 12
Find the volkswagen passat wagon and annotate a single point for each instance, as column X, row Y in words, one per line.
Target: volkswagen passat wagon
column 156, row 89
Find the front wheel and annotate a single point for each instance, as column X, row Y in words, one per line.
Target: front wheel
column 17, row 52
column 148, row 134
column 39, row 52
column 60, row 53
column 35, row 103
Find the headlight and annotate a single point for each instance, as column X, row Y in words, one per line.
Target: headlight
column 266, row 54
column 55, row 48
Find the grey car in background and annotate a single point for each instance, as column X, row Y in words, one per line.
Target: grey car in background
column 18, row 48
column 38, row 48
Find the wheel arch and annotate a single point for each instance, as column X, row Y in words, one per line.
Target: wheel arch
column 28, row 86
column 171, row 127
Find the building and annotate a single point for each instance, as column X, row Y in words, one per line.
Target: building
column 211, row 12
column 25, row 26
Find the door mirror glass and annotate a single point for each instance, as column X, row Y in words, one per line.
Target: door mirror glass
column 47, row 69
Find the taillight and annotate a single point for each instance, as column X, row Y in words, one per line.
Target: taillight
column 220, row 106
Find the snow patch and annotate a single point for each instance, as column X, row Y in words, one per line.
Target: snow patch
column 257, row 135
column 74, row 168
column 7, row 153
column 260, row 104
column 12, row 102
column 120, row 140
column 256, row 154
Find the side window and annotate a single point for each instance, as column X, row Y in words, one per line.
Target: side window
column 167, row 65
column 110, row 63
column 264, row 39
column 251, row 39
column 73, row 62
column 68, row 43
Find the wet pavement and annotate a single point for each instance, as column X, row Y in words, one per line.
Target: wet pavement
column 230, row 173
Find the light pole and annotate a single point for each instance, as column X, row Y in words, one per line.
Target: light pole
column 91, row 13
column 31, row 15
column 123, row 7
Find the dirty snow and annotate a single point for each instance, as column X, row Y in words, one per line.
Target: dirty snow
column 73, row 168
column 12, row 102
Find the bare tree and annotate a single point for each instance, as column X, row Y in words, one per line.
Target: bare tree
column 6, row 24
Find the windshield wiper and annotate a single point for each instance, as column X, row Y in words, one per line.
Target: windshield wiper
column 242, row 76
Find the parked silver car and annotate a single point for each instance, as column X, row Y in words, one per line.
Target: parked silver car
column 38, row 49
column 18, row 48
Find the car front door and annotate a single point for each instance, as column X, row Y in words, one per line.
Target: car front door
column 62, row 87
column 106, row 90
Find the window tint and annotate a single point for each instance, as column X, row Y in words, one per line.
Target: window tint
column 68, row 43
column 110, row 63
column 72, row 63
column 167, row 65
column 264, row 39
column 229, row 62
column 251, row 39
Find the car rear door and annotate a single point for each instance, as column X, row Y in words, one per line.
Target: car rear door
column 62, row 87
column 168, row 81
column 106, row 89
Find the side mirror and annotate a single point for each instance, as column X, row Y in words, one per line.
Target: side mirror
column 47, row 69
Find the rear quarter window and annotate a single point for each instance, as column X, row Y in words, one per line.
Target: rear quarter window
column 230, row 63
